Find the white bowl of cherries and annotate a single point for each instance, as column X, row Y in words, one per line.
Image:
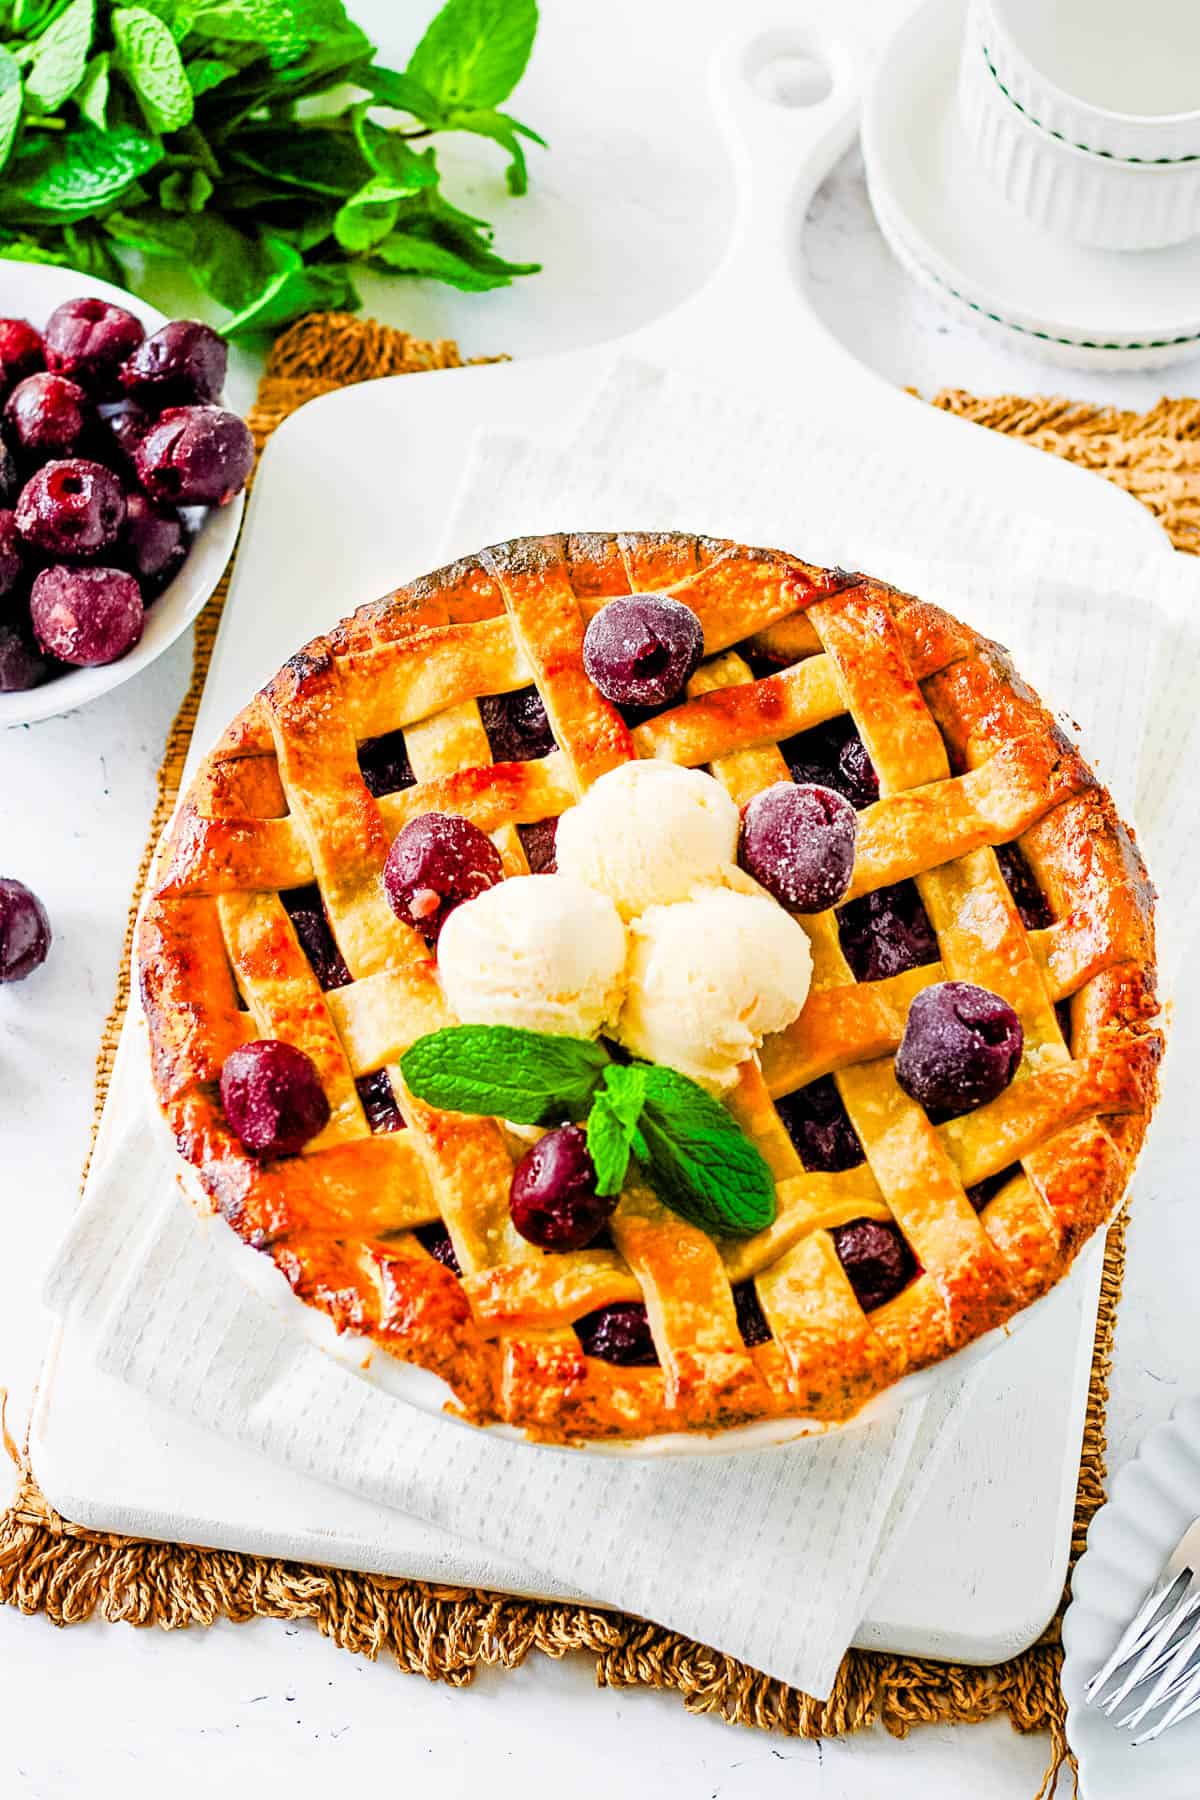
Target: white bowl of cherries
column 121, row 483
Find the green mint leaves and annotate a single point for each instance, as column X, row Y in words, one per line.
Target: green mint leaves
column 526, row 1076
column 697, row 1160
column 175, row 128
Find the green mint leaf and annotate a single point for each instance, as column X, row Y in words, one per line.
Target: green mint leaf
column 612, row 1125
column 292, row 292
column 91, row 96
column 399, row 91
column 387, row 154
column 701, row 1164
column 60, row 56
column 530, row 1077
column 503, row 130
column 79, row 172
column 148, row 57
column 367, row 217
column 624, row 1091
column 28, row 17
column 609, row 1144
column 205, row 73
column 409, row 253
column 10, row 104
column 475, row 51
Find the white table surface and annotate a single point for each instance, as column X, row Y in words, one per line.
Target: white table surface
column 627, row 213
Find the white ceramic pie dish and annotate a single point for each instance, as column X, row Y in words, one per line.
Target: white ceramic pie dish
column 32, row 291
column 426, row 1392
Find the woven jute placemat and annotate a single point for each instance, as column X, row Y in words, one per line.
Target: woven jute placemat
column 49, row 1565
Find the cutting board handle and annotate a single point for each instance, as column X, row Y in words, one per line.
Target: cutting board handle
column 786, row 88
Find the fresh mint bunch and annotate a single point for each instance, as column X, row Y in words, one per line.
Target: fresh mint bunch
column 691, row 1150
column 256, row 141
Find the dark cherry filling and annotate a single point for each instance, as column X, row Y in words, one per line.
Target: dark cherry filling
column 990, row 1186
column 1062, row 1012
column 618, row 1334
column 303, row 906
column 819, row 1126
column 516, row 725
column 877, row 1261
column 436, row 1239
column 886, row 932
column 379, row 1102
column 1031, row 903
column 538, row 843
column 834, row 756
column 385, row 765
column 752, row 1321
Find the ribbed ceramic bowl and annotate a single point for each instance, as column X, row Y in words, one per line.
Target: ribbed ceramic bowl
column 32, row 291
column 1057, row 174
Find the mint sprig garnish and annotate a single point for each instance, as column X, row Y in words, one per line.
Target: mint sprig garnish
column 689, row 1146
column 184, row 128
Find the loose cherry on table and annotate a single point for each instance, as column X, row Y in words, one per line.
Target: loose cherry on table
column 24, row 931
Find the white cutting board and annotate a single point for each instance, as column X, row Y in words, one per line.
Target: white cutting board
column 353, row 496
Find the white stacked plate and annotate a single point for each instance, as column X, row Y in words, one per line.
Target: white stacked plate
column 956, row 232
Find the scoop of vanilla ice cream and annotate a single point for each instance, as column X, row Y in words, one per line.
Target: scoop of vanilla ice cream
column 542, row 952
column 708, row 978
column 648, row 833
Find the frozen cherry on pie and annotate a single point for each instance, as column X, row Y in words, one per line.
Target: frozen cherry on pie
column 939, row 1152
column 437, row 862
column 273, row 1097
column 961, row 1048
column 642, row 650
column 798, row 842
column 553, row 1198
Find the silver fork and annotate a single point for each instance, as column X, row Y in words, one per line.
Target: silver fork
column 1156, row 1666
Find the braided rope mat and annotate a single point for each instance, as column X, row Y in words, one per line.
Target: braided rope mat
column 49, row 1565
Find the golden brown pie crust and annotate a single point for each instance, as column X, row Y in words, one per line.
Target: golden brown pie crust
column 968, row 758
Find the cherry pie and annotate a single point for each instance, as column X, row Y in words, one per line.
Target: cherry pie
column 986, row 852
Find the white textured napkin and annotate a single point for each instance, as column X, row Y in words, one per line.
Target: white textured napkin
column 772, row 1556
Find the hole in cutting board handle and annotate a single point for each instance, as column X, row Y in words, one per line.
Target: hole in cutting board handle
column 787, row 72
